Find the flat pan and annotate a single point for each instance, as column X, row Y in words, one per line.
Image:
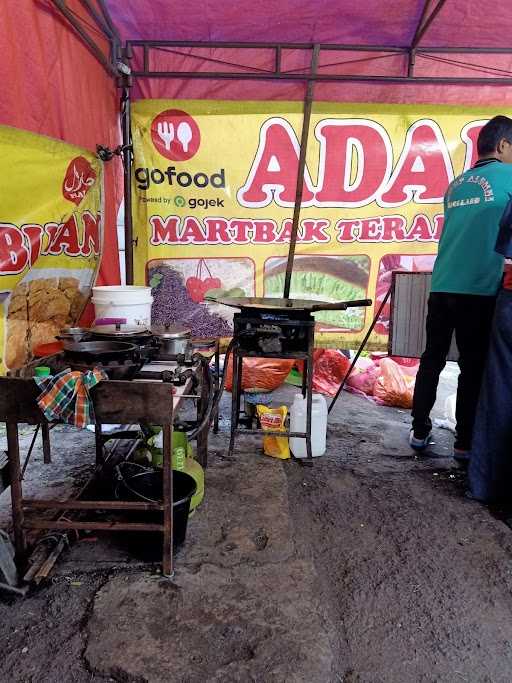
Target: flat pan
column 274, row 304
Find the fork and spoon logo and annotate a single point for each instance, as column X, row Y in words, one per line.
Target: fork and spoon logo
column 175, row 135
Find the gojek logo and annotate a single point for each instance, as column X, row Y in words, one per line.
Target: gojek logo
column 175, row 135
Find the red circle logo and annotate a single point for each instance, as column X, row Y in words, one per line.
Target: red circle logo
column 175, row 135
column 79, row 178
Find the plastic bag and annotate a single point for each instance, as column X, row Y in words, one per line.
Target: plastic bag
column 363, row 377
column 410, row 366
column 394, row 387
column 260, row 373
column 329, row 368
column 273, row 419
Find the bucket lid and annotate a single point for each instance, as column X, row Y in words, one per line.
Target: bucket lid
column 124, row 331
column 121, row 288
column 171, row 331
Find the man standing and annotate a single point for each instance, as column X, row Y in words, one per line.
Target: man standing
column 490, row 466
column 465, row 280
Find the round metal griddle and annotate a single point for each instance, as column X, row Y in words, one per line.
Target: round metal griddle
column 274, row 304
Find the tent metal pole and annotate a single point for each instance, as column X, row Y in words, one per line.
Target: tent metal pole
column 266, row 46
column 422, row 29
column 99, row 20
column 127, row 182
column 359, row 350
column 324, row 78
column 108, row 20
column 308, row 105
column 93, row 47
column 414, row 42
column 279, row 73
column 323, row 46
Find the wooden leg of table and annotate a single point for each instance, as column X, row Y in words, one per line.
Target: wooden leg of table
column 13, row 453
column 45, row 435
column 167, row 560
column 98, row 437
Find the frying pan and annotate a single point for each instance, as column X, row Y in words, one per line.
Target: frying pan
column 273, row 304
column 100, row 351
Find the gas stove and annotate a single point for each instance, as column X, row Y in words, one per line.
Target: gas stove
column 266, row 326
column 258, row 331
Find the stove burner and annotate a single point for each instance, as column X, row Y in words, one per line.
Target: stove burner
column 258, row 331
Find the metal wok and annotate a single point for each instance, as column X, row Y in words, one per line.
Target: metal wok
column 274, row 304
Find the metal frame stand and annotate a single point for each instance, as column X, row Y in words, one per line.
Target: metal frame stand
column 239, row 353
column 115, row 402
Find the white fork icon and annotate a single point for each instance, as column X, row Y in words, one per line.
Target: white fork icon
column 165, row 132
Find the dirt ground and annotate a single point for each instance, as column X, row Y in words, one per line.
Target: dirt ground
column 371, row 566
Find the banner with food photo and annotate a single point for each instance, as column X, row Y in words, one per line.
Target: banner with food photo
column 50, row 240
column 214, row 187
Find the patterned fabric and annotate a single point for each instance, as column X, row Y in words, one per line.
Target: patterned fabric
column 65, row 396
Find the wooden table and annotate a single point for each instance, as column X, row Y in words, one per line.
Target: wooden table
column 115, row 402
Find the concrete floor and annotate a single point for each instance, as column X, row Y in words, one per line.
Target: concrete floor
column 370, row 567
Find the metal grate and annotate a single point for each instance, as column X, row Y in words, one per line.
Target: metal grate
column 408, row 315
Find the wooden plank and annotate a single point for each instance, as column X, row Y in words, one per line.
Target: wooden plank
column 18, row 401
column 114, row 402
column 121, row 402
column 86, row 526
column 409, row 305
column 97, row 505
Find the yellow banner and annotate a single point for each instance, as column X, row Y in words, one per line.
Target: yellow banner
column 50, row 239
column 214, row 189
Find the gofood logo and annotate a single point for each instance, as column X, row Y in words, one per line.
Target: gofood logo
column 175, row 135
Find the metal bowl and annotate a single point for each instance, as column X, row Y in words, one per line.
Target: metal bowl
column 74, row 334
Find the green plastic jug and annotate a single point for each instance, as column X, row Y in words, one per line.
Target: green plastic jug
column 183, row 461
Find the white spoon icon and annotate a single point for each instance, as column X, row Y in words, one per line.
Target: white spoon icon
column 184, row 135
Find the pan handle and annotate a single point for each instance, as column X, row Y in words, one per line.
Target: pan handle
column 342, row 305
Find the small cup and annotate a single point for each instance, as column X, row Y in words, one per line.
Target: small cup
column 42, row 371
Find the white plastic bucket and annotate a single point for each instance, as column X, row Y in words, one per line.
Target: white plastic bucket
column 318, row 425
column 125, row 302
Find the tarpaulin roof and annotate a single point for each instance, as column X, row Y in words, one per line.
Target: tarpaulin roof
column 399, row 25
column 461, row 23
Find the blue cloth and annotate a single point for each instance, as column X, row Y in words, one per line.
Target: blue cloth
column 490, row 468
column 504, row 241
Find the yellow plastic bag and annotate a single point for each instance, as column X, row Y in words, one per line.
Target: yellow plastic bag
column 273, row 419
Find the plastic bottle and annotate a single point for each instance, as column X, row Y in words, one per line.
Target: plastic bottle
column 318, row 425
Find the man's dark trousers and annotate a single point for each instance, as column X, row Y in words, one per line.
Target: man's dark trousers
column 470, row 317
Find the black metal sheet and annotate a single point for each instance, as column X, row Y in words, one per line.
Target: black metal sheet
column 274, row 304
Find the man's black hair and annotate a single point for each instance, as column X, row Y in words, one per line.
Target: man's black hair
column 494, row 130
